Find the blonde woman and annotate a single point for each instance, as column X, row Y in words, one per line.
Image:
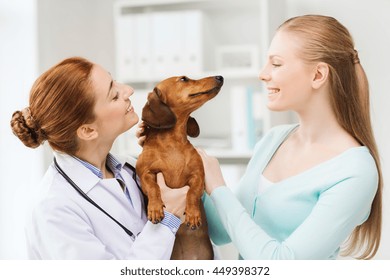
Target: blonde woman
column 311, row 186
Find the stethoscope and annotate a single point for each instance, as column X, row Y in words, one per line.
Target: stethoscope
column 90, row 200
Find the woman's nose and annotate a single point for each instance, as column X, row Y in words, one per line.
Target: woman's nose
column 264, row 76
column 128, row 91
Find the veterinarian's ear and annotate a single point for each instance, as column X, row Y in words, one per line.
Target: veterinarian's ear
column 320, row 75
column 87, row 132
column 157, row 114
column 193, row 129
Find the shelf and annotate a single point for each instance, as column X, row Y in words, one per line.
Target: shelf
column 228, row 75
column 226, row 156
column 148, row 4
column 143, row 3
column 160, row 39
column 157, row 39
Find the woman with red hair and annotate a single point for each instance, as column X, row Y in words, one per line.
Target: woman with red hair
column 92, row 206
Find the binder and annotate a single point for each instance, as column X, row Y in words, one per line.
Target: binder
column 261, row 114
column 143, row 46
column 167, row 43
column 157, row 45
column 192, row 42
column 125, row 56
column 249, row 117
column 239, row 125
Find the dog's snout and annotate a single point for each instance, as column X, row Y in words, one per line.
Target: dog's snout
column 219, row 79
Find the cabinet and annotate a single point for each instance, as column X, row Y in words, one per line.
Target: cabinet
column 156, row 39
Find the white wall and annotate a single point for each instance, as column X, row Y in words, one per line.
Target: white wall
column 76, row 28
column 368, row 22
column 20, row 167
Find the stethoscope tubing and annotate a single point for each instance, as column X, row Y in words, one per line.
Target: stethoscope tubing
column 90, row 200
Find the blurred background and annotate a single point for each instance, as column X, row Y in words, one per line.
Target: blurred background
column 142, row 41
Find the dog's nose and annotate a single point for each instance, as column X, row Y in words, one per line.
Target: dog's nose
column 219, row 79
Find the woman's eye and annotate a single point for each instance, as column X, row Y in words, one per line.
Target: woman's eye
column 276, row 65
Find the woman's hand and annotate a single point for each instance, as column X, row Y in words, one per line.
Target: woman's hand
column 213, row 173
column 174, row 199
column 140, row 133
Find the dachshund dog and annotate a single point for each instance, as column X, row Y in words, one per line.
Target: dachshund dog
column 166, row 149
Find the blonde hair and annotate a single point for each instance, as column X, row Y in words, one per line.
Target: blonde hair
column 326, row 40
column 61, row 100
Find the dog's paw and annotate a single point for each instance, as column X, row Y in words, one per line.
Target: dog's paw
column 193, row 218
column 155, row 211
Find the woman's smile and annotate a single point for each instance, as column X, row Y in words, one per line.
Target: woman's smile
column 130, row 108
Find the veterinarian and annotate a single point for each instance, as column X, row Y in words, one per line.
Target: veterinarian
column 91, row 205
column 311, row 186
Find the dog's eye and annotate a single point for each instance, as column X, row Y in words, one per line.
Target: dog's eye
column 184, row 79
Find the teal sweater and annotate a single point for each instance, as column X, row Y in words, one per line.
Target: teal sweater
column 306, row 216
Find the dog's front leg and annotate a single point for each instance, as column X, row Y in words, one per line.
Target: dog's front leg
column 193, row 200
column 152, row 191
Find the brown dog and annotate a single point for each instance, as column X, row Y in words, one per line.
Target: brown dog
column 166, row 149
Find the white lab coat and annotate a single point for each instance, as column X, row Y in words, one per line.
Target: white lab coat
column 63, row 225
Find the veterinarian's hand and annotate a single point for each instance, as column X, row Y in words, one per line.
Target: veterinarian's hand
column 174, row 199
column 212, row 170
column 140, row 133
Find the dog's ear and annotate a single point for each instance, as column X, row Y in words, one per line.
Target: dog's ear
column 156, row 113
column 193, row 129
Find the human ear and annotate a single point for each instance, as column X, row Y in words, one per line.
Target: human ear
column 320, row 75
column 87, row 132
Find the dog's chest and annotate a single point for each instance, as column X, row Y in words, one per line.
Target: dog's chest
column 177, row 161
column 178, row 156
column 177, row 169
